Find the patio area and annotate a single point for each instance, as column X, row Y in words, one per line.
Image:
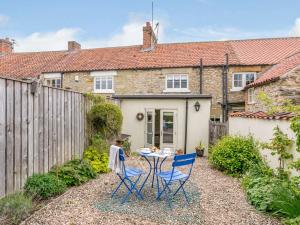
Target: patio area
column 215, row 199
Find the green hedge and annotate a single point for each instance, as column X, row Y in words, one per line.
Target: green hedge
column 234, row 154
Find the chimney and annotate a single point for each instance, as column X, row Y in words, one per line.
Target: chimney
column 73, row 45
column 149, row 38
column 6, row 46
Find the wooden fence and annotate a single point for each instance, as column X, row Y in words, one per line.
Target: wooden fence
column 39, row 127
column 216, row 131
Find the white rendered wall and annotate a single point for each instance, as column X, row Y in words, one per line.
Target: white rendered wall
column 198, row 122
column 262, row 130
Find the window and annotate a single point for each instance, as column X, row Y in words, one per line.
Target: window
column 52, row 80
column 103, row 81
column 251, row 96
column 177, row 82
column 240, row 80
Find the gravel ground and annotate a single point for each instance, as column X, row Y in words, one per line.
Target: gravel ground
column 215, row 199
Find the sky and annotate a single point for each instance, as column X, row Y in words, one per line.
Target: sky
column 40, row 25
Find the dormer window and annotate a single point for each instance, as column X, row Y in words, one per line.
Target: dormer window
column 103, row 81
column 240, row 80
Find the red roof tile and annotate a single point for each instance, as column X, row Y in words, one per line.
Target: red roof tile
column 277, row 70
column 243, row 52
column 263, row 115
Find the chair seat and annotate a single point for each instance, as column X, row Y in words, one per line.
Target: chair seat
column 177, row 175
column 133, row 172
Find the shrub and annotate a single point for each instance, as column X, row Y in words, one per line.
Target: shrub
column 15, row 208
column 97, row 160
column 43, row 186
column 100, row 144
column 106, row 119
column 234, row 154
column 127, row 147
column 294, row 221
column 74, row 172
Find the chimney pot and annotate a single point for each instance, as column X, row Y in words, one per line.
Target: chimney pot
column 6, row 46
column 73, row 45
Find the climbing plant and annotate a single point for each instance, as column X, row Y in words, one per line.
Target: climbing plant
column 279, row 145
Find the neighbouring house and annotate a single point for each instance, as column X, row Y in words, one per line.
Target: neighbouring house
column 281, row 82
column 163, row 82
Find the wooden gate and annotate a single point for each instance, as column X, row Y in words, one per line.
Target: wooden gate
column 216, row 131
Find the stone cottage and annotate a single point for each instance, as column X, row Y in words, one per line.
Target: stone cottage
column 155, row 69
column 280, row 83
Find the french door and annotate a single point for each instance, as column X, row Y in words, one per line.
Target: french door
column 150, row 127
column 168, row 128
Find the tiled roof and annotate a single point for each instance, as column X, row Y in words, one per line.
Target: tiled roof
column 263, row 115
column 20, row 65
column 277, row 70
column 243, row 52
column 265, row 51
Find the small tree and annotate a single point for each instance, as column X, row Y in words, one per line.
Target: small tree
column 279, row 145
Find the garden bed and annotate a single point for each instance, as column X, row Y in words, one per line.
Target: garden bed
column 216, row 199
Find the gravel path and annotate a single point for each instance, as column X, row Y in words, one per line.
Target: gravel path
column 215, row 199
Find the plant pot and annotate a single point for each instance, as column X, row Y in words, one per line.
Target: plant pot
column 200, row 152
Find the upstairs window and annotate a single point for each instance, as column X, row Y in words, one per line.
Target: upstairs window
column 177, row 82
column 240, row 80
column 53, row 80
column 103, row 81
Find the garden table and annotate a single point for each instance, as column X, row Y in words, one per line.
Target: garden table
column 153, row 158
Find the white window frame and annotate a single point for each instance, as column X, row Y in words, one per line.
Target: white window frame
column 52, row 77
column 251, row 95
column 100, row 75
column 176, row 89
column 243, row 80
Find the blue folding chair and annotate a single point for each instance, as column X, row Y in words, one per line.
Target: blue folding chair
column 174, row 175
column 126, row 175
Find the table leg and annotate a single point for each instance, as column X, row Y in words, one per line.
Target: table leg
column 150, row 170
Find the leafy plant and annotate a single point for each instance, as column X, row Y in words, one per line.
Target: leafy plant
column 127, row 147
column 43, row 186
column 295, row 126
column 15, row 208
column 105, row 119
column 74, row 172
column 97, row 160
column 234, row 154
column 293, row 221
column 100, row 144
column 279, row 145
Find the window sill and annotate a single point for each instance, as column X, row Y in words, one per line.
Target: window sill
column 176, row 90
column 236, row 89
column 104, row 91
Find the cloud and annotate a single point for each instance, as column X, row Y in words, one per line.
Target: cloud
column 130, row 34
column 3, row 19
column 225, row 33
column 296, row 28
column 38, row 41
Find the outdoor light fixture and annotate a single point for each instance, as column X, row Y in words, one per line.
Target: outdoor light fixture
column 197, row 106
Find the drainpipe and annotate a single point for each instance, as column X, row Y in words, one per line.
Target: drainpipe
column 201, row 76
column 186, row 123
column 225, row 90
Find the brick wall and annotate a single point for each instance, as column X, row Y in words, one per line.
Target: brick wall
column 288, row 87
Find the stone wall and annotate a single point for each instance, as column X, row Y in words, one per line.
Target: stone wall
column 288, row 87
column 152, row 81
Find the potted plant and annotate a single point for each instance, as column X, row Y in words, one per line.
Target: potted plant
column 200, row 149
column 179, row 152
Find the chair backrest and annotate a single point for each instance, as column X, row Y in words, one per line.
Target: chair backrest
column 184, row 160
column 122, row 159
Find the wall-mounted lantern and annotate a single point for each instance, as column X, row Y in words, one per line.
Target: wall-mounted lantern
column 197, row 106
